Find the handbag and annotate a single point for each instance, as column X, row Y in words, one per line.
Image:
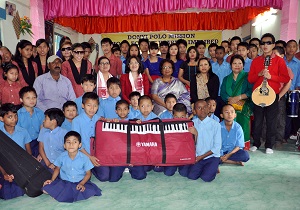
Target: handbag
column 239, row 107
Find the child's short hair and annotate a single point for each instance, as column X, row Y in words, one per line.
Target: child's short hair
column 143, row 40
column 283, row 43
column 134, row 93
column 235, row 38
column 212, row 45
column 220, row 48
column 153, row 46
column 88, row 78
column 72, row 133
column 7, row 68
column 210, row 99
column 225, row 41
column 181, row 41
column 115, row 49
column 124, row 42
column 113, row 80
column 26, row 89
column 198, row 101
column 253, row 46
column 200, row 42
column 122, row 101
column 86, row 45
column 144, row 97
column 8, row 107
column 164, row 43
column 280, row 50
column 106, row 40
column 169, row 95
column 254, row 39
column 90, row 95
column 55, row 114
column 226, row 106
column 179, row 107
column 69, row 103
column 243, row 44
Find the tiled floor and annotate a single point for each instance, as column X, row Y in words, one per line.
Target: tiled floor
column 265, row 182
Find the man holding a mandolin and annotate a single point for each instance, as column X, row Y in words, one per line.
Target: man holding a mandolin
column 266, row 73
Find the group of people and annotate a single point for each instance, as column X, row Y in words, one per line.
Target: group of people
column 50, row 104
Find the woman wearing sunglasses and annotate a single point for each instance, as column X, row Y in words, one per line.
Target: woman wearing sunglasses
column 66, row 49
column 76, row 67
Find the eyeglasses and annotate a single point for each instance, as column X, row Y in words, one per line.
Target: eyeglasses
column 66, row 48
column 103, row 64
column 134, row 63
column 79, row 52
column 267, row 43
column 167, row 67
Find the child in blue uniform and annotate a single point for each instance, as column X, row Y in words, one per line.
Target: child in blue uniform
column 51, row 137
column 108, row 105
column 232, row 138
column 74, row 170
column 70, row 111
column 85, row 124
column 88, row 84
column 30, row 117
column 122, row 109
column 146, row 107
column 212, row 105
column 134, row 104
column 9, row 117
column 208, row 145
column 170, row 100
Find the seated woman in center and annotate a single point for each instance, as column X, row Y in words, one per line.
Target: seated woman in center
column 168, row 84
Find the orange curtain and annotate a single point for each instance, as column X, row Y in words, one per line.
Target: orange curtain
column 162, row 22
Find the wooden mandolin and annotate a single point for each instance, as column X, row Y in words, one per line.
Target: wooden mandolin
column 264, row 95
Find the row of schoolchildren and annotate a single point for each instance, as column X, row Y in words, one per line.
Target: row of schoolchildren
column 74, row 167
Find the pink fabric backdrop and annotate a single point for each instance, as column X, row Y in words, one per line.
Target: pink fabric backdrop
column 109, row 8
column 37, row 20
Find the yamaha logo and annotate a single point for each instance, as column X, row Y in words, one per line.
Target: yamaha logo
column 146, row 144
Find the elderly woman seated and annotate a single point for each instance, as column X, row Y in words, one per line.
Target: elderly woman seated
column 168, row 84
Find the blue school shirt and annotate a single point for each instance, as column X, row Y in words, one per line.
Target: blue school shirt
column 78, row 102
column 85, row 126
column 294, row 65
column 73, row 170
column 67, row 125
column 32, row 123
column 20, row 135
column 247, row 65
column 133, row 113
column 153, row 67
column 166, row 115
column 209, row 137
column 53, row 141
column 233, row 138
column 213, row 116
column 221, row 71
column 149, row 117
column 108, row 107
column 123, row 59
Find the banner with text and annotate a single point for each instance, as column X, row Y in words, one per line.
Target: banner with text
column 190, row 36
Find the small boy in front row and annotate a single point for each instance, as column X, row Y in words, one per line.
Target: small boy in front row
column 170, row 100
column 134, row 104
column 232, row 138
column 146, row 107
column 51, row 137
column 85, row 125
column 9, row 118
column 108, row 105
column 70, row 111
column 208, row 146
column 179, row 112
column 88, row 84
column 74, row 170
column 30, row 117
column 212, row 105
column 122, row 109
